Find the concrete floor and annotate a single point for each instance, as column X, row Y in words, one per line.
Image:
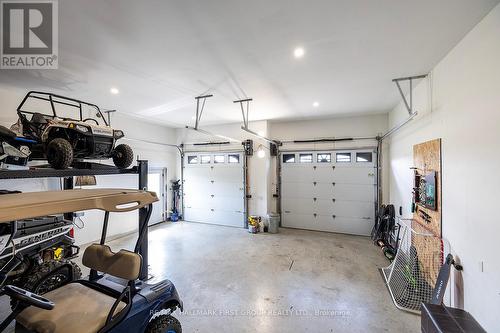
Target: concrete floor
column 294, row 281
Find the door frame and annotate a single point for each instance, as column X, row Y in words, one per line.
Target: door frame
column 163, row 197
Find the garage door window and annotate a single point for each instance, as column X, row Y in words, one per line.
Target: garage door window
column 206, row 159
column 233, row 158
column 193, row 159
column 324, row 158
column 219, row 159
column 288, row 158
column 343, row 157
column 363, row 157
column 306, row 158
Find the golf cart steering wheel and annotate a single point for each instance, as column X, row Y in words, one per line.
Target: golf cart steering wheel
column 28, row 298
column 87, row 119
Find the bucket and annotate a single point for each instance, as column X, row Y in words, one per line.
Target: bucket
column 174, row 217
column 273, row 221
column 253, row 229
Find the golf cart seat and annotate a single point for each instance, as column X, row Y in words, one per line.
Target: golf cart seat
column 80, row 308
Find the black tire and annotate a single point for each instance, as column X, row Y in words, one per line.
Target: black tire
column 164, row 324
column 389, row 252
column 48, row 276
column 123, row 156
column 51, row 275
column 59, row 153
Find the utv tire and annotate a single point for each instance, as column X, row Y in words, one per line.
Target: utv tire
column 59, row 153
column 123, row 156
column 48, row 276
column 164, row 324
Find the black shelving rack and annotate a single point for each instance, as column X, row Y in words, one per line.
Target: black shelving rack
column 92, row 169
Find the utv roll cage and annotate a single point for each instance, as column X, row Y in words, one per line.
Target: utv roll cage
column 54, row 99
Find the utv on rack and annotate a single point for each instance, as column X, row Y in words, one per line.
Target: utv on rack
column 66, row 129
column 113, row 299
column 36, row 253
column 14, row 150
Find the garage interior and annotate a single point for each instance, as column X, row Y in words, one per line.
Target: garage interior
column 324, row 166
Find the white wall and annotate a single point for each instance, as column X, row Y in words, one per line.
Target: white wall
column 158, row 156
column 460, row 103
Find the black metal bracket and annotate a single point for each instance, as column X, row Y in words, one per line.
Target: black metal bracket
column 79, row 169
column 408, row 104
column 200, row 105
column 144, row 214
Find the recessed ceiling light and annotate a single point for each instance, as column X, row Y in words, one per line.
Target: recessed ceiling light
column 316, row 104
column 299, row 52
column 114, row 91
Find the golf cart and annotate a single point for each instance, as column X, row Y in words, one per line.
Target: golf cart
column 113, row 299
column 66, row 129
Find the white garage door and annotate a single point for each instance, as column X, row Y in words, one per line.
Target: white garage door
column 214, row 188
column 329, row 191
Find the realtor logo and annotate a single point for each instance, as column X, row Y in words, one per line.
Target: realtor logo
column 29, row 34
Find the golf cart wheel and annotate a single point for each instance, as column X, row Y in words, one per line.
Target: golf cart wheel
column 50, row 275
column 164, row 324
column 59, row 153
column 123, row 156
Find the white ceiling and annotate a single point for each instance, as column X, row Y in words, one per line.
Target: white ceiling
column 161, row 54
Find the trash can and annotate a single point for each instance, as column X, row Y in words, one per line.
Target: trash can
column 273, row 221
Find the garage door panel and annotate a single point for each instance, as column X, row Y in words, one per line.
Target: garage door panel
column 354, row 209
column 323, row 206
column 344, row 225
column 299, row 174
column 293, row 220
column 227, row 189
column 197, row 215
column 203, row 187
column 298, row 206
column 348, row 175
column 297, row 190
column 324, row 189
column 227, row 174
column 354, row 226
column 358, row 192
column 196, row 174
column 325, row 173
column 199, row 202
column 233, row 219
column 225, row 203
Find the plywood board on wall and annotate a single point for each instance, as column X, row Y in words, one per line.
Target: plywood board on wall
column 427, row 234
column 426, row 158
